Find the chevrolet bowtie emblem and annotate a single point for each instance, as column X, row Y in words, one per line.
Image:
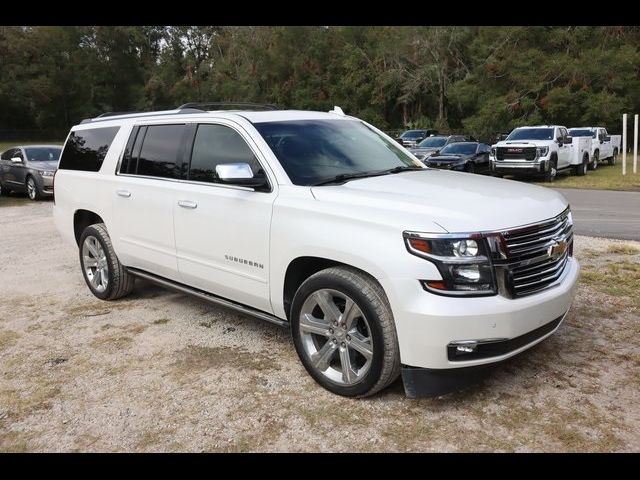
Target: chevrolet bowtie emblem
column 557, row 249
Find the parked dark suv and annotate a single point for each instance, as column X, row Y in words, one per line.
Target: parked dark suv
column 411, row 138
column 433, row 144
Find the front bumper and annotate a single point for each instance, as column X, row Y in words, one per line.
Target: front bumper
column 520, row 167
column 427, row 324
column 45, row 184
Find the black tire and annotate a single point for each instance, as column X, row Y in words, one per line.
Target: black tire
column 120, row 282
column 4, row 190
column 470, row 167
column 369, row 296
column 596, row 159
column 552, row 172
column 613, row 158
column 581, row 170
column 33, row 191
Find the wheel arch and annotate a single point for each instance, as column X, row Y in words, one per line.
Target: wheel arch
column 82, row 219
column 302, row 267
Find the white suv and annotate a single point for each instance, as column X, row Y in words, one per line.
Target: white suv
column 321, row 223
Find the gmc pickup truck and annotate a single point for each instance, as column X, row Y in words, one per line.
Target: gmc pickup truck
column 539, row 151
column 322, row 224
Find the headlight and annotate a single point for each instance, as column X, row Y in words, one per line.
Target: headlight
column 542, row 151
column 45, row 173
column 463, row 262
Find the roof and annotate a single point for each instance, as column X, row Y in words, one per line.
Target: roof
column 251, row 115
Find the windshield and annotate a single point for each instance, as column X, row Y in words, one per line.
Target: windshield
column 412, row 134
column 43, row 154
column 311, row 151
column 459, row 148
column 582, row 132
column 432, row 142
column 531, row 134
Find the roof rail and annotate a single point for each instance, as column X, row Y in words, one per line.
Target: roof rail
column 244, row 105
column 113, row 114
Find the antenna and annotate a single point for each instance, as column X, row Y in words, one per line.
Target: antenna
column 337, row 110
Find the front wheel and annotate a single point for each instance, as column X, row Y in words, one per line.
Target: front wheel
column 32, row 189
column 614, row 157
column 470, row 167
column 344, row 333
column 105, row 276
column 4, row 190
column 552, row 171
column 596, row 160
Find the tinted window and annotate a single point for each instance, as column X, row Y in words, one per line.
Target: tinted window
column 433, row 142
column 581, row 132
column 413, row 134
column 43, row 154
column 313, row 151
column 531, row 134
column 215, row 145
column 459, row 147
column 8, row 154
column 128, row 152
column 159, row 153
column 86, row 149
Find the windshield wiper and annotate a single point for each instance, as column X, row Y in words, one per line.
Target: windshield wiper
column 351, row 176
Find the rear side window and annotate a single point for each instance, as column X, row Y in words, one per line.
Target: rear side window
column 160, row 151
column 8, row 155
column 86, row 149
column 215, row 145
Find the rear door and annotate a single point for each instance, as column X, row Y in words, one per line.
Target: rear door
column 222, row 231
column 143, row 198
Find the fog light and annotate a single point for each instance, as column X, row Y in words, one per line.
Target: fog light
column 466, row 347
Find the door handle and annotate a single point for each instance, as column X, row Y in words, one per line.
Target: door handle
column 187, row 204
column 123, row 193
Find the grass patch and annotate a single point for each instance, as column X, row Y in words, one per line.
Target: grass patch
column 623, row 249
column 8, row 338
column 619, row 279
column 161, row 321
column 605, row 177
column 199, row 359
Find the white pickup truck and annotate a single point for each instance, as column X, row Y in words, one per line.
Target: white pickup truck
column 603, row 145
column 540, row 150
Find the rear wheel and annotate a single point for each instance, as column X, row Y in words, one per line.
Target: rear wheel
column 614, row 157
column 344, row 333
column 105, row 276
column 4, row 190
column 581, row 170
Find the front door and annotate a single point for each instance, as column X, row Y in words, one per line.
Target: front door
column 222, row 231
column 564, row 151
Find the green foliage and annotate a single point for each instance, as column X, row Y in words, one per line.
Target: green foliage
column 482, row 80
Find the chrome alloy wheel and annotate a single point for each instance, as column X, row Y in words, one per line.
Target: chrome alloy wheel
column 31, row 188
column 336, row 337
column 95, row 263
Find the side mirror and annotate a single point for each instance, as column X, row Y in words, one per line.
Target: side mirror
column 608, row 138
column 568, row 139
column 239, row 174
column 16, row 160
column 559, row 141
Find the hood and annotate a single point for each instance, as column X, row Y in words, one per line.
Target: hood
column 456, row 201
column 51, row 166
column 448, row 158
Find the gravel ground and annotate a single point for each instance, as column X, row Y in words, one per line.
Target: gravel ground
column 160, row 371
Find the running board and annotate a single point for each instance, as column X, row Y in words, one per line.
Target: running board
column 179, row 287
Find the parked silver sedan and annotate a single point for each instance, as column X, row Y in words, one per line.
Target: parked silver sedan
column 29, row 169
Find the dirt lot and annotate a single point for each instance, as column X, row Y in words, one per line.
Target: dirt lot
column 161, row 371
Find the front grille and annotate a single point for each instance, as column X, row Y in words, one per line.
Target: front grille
column 516, row 153
column 537, row 255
